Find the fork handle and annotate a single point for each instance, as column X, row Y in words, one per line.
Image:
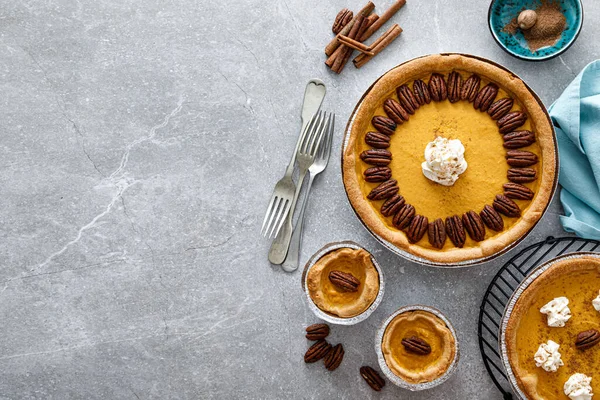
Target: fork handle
column 293, row 254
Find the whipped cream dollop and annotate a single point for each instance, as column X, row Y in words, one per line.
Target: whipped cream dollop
column 578, row 387
column 596, row 302
column 444, row 161
column 558, row 312
column 548, row 357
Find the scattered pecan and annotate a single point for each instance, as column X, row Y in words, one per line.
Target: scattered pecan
column 587, row 339
column 470, row 88
column 521, row 175
column 517, row 191
column 341, row 20
column 511, row 121
column 437, row 233
column 518, row 139
column 500, row 108
column 417, row 228
column 506, row 206
column 421, row 92
column 334, row 358
column 392, row 205
column 474, row 225
column 377, row 140
column 407, row 99
column 485, row 97
column 416, row 345
column 403, row 217
column 437, row 87
column 317, row 351
column 379, row 157
column 521, row 158
column 455, row 83
column 491, row 218
column 384, row 125
column 344, row 281
column 395, row 111
column 384, row 190
column 372, row 378
column 456, row 230
column 317, row 331
column 377, row 174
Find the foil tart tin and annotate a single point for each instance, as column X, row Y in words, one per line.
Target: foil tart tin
column 332, row 319
column 405, row 254
column 395, row 379
column 533, row 275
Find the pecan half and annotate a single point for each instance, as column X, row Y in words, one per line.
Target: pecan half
column 317, row 331
column 403, row 217
column 379, row 157
column 341, row 20
column 485, row 97
column 455, row 82
column 392, row 205
column 506, row 206
column 518, row 139
column 474, row 225
column 384, row 190
column 491, row 218
column 521, row 158
column 470, row 88
column 437, row 233
column 317, row 351
column 437, row 87
column 416, row 345
column 384, row 125
column 421, row 92
column 407, row 99
column 344, row 281
column 521, row 175
column 500, row 108
column 334, row 358
column 517, row 191
column 456, row 230
column 511, row 121
column 372, row 377
column 377, row 174
column 377, row 140
column 417, row 228
column 395, row 111
column 587, row 339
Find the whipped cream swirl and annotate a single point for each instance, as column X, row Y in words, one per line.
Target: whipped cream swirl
column 578, row 387
column 558, row 312
column 548, row 357
column 596, row 302
column 444, row 161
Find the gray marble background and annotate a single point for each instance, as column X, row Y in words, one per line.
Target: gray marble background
column 140, row 143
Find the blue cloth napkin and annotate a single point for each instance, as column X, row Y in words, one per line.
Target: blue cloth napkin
column 576, row 117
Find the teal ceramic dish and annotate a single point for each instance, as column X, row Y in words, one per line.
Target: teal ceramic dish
column 501, row 12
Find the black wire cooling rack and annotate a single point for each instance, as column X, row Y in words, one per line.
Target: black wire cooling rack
column 502, row 287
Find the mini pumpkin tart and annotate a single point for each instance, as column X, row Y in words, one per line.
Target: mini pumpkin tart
column 449, row 159
column 417, row 348
column 343, row 283
column 550, row 329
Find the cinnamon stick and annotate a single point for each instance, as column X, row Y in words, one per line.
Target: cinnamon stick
column 335, row 43
column 371, row 19
column 346, row 51
column 389, row 13
column 357, row 45
column 381, row 43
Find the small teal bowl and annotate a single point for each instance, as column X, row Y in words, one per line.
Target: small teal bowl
column 501, row 12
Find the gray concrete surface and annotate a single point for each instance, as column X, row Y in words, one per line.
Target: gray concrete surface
column 140, row 143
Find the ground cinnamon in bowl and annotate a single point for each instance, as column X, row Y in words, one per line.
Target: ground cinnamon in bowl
column 548, row 29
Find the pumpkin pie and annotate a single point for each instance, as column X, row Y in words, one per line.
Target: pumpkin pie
column 450, row 158
column 578, row 280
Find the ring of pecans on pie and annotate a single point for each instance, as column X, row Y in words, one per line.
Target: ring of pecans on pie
column 455, row 227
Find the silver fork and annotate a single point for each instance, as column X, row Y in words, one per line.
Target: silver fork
column 320, row 163
column 306, row 156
